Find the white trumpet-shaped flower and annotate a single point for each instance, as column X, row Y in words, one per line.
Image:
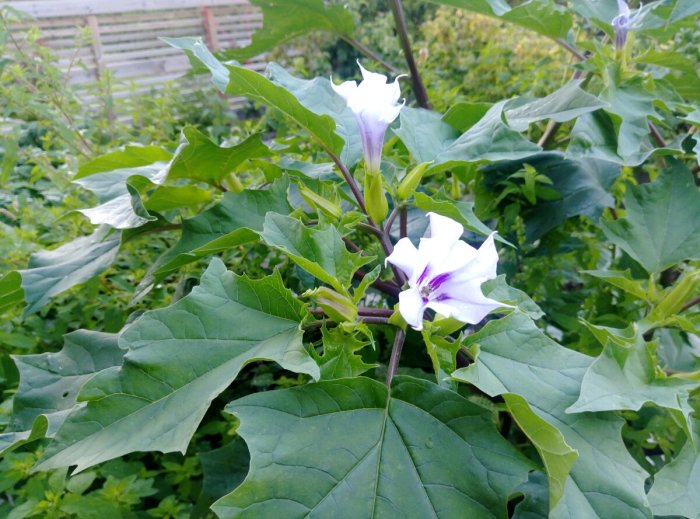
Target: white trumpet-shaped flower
column 375, row 104
column 445, row 274
column 622, row 23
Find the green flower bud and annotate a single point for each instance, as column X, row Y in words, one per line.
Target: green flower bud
column 410, row 182
column 320, row 203
column 336, row 306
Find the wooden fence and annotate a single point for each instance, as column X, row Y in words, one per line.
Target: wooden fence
column 124, row 36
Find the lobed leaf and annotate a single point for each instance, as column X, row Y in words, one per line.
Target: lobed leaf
column 348, row 449
column 178, row 360
column 51, row 272
column 201, row 159
column 542, row 16
column 236, row 220
column 321, row 251
column 662, row 224
column 514, row 356
column 284, row 20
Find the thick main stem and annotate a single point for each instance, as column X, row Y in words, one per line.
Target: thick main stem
column 395, row 355
column 402, row 30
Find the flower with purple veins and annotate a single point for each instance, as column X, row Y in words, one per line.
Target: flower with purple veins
column 445, row 274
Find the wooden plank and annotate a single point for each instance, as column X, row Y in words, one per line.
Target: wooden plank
column 96, row 45
column 63, row 8
column 210, row 29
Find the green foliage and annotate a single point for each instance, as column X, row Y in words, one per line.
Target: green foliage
column 396, row 466
column 212, row 328
column 662, row 221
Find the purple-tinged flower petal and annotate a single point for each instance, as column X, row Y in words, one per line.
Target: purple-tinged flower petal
column 412, row 306
column 405, row 256
column 622, row 24
column 465, row 302
column 622, row 8
column 374, row 102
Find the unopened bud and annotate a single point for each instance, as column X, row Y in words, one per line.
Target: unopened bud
column 410, row 182
column 336, row 306
column 320, row 203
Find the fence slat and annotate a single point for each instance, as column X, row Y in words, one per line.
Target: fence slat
column 125, row 39
column 61, row 8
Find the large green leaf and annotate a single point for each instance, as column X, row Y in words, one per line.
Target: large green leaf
column 462, row 212
column 542, row 16
column 584, row 186
column 631, row 105
column 202, row 59
column 287, row 19
column 424, row 133
column 245, row 82
column 499, row 290
column 51, row 272
column 627, row 376
column 130, row 156
column 660, row 14
column 50, row 382
column 236, row 80
column 662, row 224
column 321, row 252
column 120, row 204
column 428, row 138
column 622, row 280
column 201, row 159
column 565, row 104
column 489, row 139
column 236, row 220
column 318, row 96
column 179, row 359
column 513, row 356
column 594, row 136
column 223, row 469
column 348, row 449
column 558, row 456
column 11, row 292
column 675, row 490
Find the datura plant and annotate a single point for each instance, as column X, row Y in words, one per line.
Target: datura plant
column 487, row 312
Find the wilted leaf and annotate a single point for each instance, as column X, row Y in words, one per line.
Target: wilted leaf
column 120, row 204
